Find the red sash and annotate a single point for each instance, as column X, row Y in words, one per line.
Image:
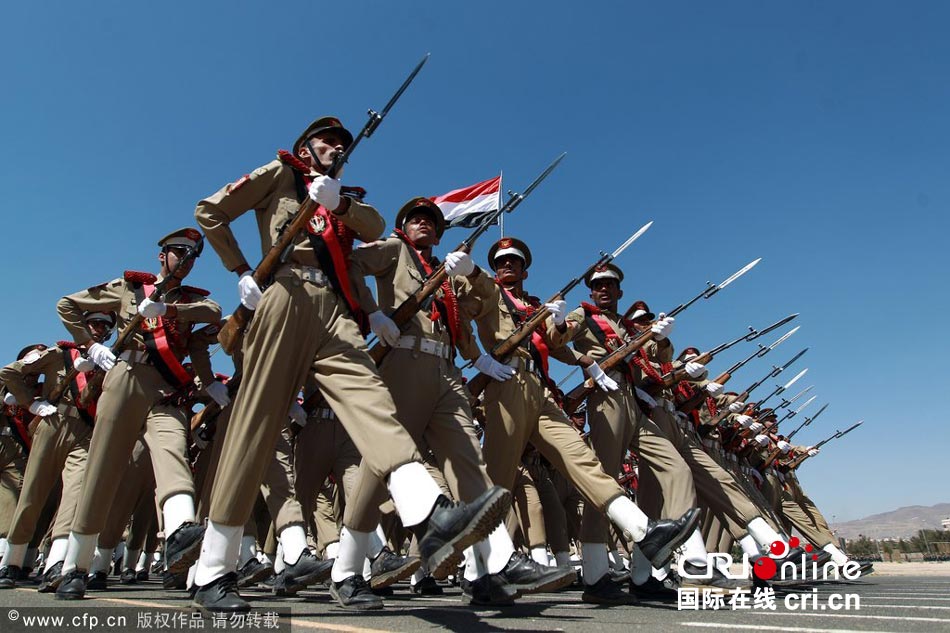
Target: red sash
column 160, row 335
column 21, row 431
column 605, row 333
column 538, row 347
column 446, row 308
column 70, row 355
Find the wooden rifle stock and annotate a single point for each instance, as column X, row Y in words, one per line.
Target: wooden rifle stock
column 577, row 395
column 212, row 409
column 55, row 395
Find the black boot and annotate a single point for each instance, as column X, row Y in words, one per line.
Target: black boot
column 388, row 568
column 183, row 547
column 428, row 586
column 253, row 572
column 606, row 591
column 8, row 576
column 221, row 596
column 73, row 586
column 306, row 571
column 699, row 576
column 354, row 593
column 653, row 589
column 97, row 581
column 490, row 590
column 663, row 537
column 452, row 527
column 527, row 576
column 51, row 579
column 128, row 577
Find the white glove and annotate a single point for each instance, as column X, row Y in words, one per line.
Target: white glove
column 325, row 191
column 713, row 388
column 297, row 415
column 83, row 364
column 219, row 393
column 249, row 291
column 762, row 440
column 384, row 327
column 558, row 310
column 744, row 421
column 784, row 446
column 755, row 427
column 9, row 399
column 662, row 327
column 102, row 356
column 812, row 452
column 42, row 408
column 459, row 264
column 736, row 406
column 602, row 380
column 695, row 370
column 152, row 309
column 488, row 365
column 646, row 398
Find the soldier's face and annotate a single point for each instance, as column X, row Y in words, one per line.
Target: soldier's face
column 170, row 259
column 326, row 146
column 420, row 228
column 509, row 269
column 605, row 293
column 99, row 329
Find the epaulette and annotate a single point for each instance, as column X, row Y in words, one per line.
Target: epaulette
column 66, row 345
column 196, row 291
column 136, row 277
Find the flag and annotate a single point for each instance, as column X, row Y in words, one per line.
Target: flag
column 466, row 207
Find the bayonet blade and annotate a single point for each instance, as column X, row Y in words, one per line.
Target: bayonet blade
column 774, row 326
column 544, row 174
column 630, row 240
column 739, row 273
column 805, row 404
column 817, row 413
column 793, row 380
column 403, row 87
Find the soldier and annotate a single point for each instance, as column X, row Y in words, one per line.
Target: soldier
column 59, row 449
column 146, row 372
column 305, row 323
column 519, row 400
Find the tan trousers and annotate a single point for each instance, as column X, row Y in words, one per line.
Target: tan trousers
column 129, row 403
column 137, row 492
column 432, row 405
column 572, row 502
column 324, row 449
column 12, row 465
column 520, row 411
column 616, row 423
column 59, row 451
column 527, row 506
column 302, row 328
column 327, row 516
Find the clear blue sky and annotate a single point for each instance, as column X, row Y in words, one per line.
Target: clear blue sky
column 814, row 135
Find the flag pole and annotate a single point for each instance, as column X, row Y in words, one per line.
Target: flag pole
column 501, row 220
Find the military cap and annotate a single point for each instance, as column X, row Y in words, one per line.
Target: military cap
column 607, row 271
column 324, row 124
column 422, row 205
column 509, row 246
column 689, row 353
column 640, row 310
column 108, row 317
column 187, row 237
column 37, row 347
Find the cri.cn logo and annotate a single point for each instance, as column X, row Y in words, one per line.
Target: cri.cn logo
column 767, row 567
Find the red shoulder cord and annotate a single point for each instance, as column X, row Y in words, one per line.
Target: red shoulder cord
column 449, row 301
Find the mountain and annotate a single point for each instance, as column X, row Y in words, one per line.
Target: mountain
column 901, row 523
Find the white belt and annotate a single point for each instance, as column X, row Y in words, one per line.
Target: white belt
column 425, row 345
column 305, row 273
column 6, row 432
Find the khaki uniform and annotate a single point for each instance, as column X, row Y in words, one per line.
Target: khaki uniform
column 301, row 327
column 616, row 424
column 12, row 464
column 801, row 512
column 522, row 410
column 136, row 497
column 59, row 449
column 130, row 395
column 426, row 386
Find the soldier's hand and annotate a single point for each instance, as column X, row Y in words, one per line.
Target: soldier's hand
column 784, row 446
column 219, row 393
column 813, row 451
column 736, row 407
column 558, row 310
column 9, row 399
column 755, row 427
column 762, row 440
column 713, row 388
column 249, row 291
column 662, row 327
column 491, row 367
column 744, row 421
column 298, row 415
column 152, row 309
column 602, row 380
column 42, row 408
column 695, row 370
column 325, row 191
column 459, row 264
column 101, row 356
column 83, row 364
column 384, row 327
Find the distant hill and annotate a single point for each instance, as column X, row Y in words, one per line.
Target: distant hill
column 901, row 523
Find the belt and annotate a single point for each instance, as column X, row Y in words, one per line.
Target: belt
column 424, row 345
column 6, row 432
column 305, row 273
column 323, row 413
column 67, row 411
column 526, row 364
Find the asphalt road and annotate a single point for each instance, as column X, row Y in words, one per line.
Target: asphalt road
column 886, row 603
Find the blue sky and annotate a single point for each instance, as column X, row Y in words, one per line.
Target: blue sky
column 811, row 134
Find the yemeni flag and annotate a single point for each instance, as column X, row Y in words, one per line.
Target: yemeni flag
column 466, row 207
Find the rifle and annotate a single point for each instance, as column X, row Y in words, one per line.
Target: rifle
column 233, row 329
column 94, row 385
column 212, row 409
column 806, row 422
column 579, row 393
column 502, row 351
column 781, row 388
column 777, row 451
column 787, row 403
column 795, row 463
column 775, row 371
column 677, row 375
column 408, row 308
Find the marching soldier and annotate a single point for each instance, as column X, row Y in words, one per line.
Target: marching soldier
column 146, row 372
column 305, row 323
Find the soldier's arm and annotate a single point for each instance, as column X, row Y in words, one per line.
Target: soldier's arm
column 478, row 295
column 104, row 298
column 375, row 259
column 198, row 344
column 203, row 311
column 363, row 219
column 14, row 375
column 660, row 351
column 215, row 213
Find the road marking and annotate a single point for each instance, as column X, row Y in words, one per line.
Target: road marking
column 762, row 627
column 850, row 614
